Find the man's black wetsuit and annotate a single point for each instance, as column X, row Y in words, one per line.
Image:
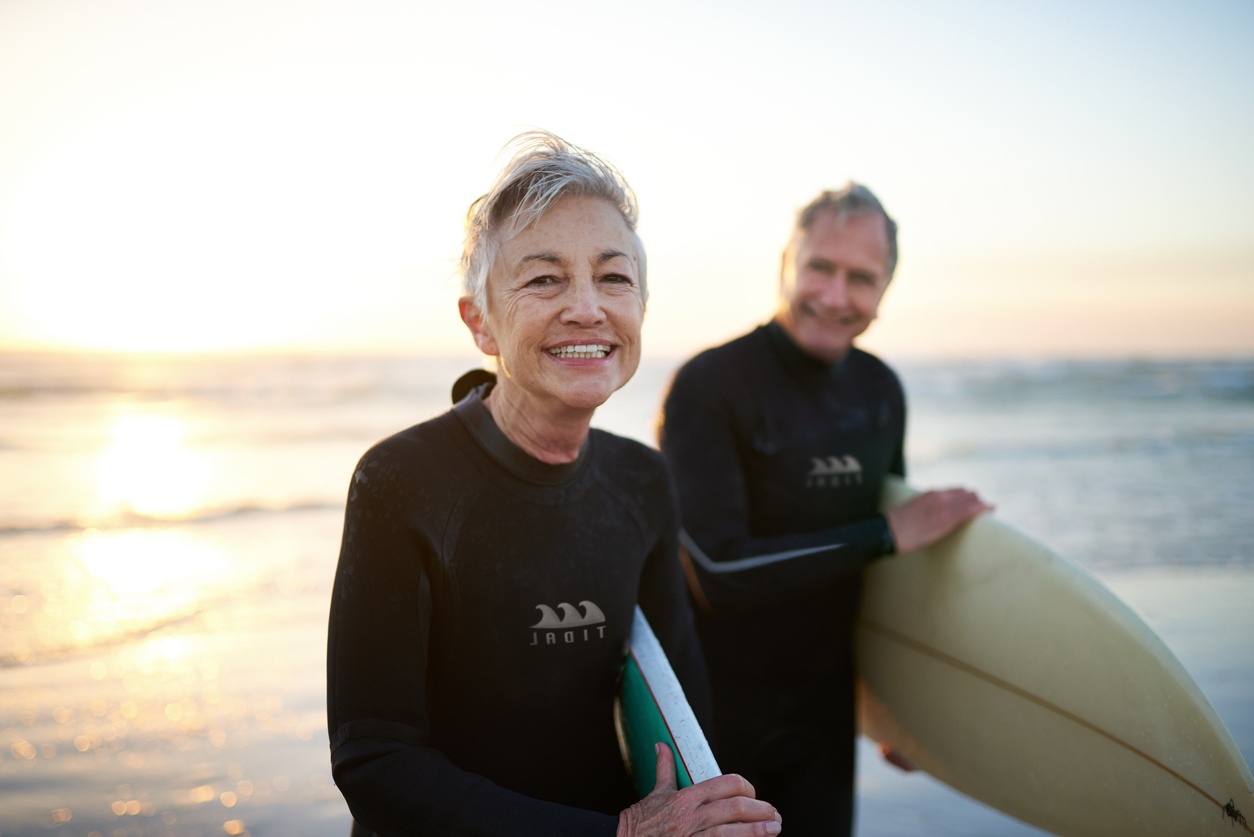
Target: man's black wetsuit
column 779, row 460
column 481, row 607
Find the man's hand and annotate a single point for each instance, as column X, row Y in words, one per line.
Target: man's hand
column 896, row 759
column 923, row 520
column 720, row 807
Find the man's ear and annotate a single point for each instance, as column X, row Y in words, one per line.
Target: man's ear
column 478, row 325
column 788, row 265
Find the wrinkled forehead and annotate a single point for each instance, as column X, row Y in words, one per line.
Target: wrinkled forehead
column 868, row 226
column 520, row 219
column 843, row 217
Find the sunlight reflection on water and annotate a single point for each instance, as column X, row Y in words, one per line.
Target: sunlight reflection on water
column 187, row 729
column 105, row 587
column 148, row 470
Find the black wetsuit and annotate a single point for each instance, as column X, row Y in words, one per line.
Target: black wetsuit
column 479, row 616
column 779, row 460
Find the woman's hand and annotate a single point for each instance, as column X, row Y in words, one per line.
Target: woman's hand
column 720, row 807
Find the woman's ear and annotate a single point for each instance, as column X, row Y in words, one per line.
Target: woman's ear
column 478, row 325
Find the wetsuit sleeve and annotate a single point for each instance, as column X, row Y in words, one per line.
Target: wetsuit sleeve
column 705, row 437
column 385, row 588
column 664, row 599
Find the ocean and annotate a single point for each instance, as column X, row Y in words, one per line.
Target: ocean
column 169, row 529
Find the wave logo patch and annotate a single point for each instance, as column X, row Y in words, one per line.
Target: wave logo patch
column 568, row 624
column 833, row 471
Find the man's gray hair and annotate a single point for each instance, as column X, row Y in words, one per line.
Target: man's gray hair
column 543, row 169
column 853, row 198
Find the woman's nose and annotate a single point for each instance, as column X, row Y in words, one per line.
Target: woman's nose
column 583, row 303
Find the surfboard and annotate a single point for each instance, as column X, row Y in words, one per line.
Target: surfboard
column 1014, row 676
column 651, row 707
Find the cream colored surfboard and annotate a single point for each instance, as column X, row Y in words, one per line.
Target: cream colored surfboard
column 1015, row 677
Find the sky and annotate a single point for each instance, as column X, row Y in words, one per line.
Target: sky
column 1070, row 178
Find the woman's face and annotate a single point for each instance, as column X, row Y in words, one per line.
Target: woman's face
column 564, row 307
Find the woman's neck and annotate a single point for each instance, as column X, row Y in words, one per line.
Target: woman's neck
column 552, row 436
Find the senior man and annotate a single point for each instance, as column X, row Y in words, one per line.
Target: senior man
column 780, row 442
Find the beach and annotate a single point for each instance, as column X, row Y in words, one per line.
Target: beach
column 169, row 530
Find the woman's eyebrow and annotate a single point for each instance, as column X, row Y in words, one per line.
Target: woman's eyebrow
column 546, row 256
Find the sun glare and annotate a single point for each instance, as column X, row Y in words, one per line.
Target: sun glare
column 147, row 469
column 130, row 564
column 155, row 233
column 208, row 224
column 137, row 579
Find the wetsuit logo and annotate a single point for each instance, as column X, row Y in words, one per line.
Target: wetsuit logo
column 573, row 625
column 834, row 471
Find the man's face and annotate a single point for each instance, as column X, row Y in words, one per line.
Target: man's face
column 832, row 281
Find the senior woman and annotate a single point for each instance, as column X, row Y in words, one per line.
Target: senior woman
column 454, row 706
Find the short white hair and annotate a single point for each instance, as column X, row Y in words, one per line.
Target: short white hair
column 543, row 169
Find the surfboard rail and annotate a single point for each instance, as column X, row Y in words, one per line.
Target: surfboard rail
column 652, row 707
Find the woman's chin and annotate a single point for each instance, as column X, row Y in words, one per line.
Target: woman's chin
column 588, row 395
column 586, row 401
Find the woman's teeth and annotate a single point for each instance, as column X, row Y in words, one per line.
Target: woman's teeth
column 590, row 350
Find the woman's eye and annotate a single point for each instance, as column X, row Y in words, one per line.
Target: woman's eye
column 541, row 281
column 617, row 278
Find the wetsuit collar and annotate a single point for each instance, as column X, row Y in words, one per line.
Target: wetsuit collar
column 797, row 360
column 475, row 416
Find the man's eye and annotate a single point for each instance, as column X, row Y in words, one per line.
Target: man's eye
column 617, row 278
column 541, row 281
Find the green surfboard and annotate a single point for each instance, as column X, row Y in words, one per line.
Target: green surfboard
column 651, row 707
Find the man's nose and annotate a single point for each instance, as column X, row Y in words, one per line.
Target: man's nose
column 835, row 292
